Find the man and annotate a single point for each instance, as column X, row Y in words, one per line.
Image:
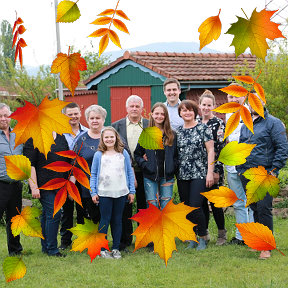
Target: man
column 130, row 130
column 73, row 111
column 271, row 152
column 10, row 190
column 233, row 179
column 171, row 88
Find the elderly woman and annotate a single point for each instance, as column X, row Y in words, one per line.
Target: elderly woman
column 195, row 147
column 87, row 144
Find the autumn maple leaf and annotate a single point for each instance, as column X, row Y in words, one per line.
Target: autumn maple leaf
column 40, row 122
column 162, row 226
column 14, row 268
column 222, row 197
column 151, row 138
column 209, row 30
column 68, row 66
column 27, row 223
column 257, row 236
column 89, row 238
column 260, row 183
column 18, row 167
column 253, row 32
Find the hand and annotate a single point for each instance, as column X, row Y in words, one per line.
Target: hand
column 209, row 180
column 145, row 157
column 95, row 199
column 131, row 198
column 35, row 193
column 216, row 177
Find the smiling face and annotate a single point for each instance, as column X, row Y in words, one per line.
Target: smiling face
column 172, row 93
column 206, row 106
column 4, row 118
column 158, row 116
column 187, row 115
column 74, row 114
column 95, row 121
column 134, row 110
column 109, row 139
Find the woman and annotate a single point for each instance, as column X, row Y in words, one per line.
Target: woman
column 195, row 147
column 86, row 146
column 207, row 104
column 159, row 166
column 40, row 176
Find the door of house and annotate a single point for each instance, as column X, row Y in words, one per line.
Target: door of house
column 119, row 95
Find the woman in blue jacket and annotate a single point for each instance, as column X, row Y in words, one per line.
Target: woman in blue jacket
column 159, row 166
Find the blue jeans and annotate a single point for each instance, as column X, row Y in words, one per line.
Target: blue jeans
column 49, row 224
column 242, row 214
column 111, row 211
column 152, row 189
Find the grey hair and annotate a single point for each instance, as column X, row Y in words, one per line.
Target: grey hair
column 2, row 105
column 135, row 98
column 97, row 109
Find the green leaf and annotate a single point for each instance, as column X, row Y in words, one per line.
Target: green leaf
column 67, row 11
column 14, row 268
column 151, row 138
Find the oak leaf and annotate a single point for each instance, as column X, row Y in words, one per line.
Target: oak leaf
column 14, row 268
column 40, row 122
column 27, row 223
column 18, row 167
column 260, row 183
column 209, row 30
column 151, row 138
column 162, row 226
column 67, row 11
column 89, row 238
column 253, row 32
column 222, row 197
column 68, row 66
column 235, row 153
column 257, row 236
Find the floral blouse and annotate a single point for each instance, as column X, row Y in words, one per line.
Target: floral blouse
column 192, row 153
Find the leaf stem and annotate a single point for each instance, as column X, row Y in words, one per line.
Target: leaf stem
column 18, row 210
column 280, row 251
column 244, row 13
column 219, row 11
column 113, row 14
column 258, row 76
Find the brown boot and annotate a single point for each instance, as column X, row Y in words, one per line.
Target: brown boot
column 222, row 238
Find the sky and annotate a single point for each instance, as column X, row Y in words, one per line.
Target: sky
column 150, row 21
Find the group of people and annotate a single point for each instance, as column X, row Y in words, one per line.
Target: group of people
column 121, row 168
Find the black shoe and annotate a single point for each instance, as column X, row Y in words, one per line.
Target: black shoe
column 236, row 241
column 58, row 254
column 64, row 246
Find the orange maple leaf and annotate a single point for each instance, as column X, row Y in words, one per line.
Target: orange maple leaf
column 222, row 197
column 40, row 122
column 253, row 32
column 162, row 226
column 257, row 236
column 209, row 30
column 68, row 66
column 89, row 238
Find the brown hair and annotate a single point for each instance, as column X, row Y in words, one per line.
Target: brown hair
column 190, row 105
column 119, row 146
column 207, row 94
column 170, row 81
column 71, row 105
column 168, row 133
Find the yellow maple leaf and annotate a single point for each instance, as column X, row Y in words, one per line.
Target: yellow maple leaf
column 40, row 122
column 162, row 226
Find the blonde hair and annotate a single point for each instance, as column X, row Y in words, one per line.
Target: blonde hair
column 119, row 145
column 207, row 94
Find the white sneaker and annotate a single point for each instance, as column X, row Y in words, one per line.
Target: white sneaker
column 116, row 254
column 106, row 254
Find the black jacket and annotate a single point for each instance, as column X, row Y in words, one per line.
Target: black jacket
column 150, row 169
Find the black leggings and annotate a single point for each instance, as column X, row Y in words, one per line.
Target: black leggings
column 189, row 192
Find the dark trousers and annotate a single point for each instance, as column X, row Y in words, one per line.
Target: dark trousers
column 218, row 213
column 127, row 228
column 10, row 200
column 262, row 210
column 189, row 192
column 111, row 210
column 92, row 209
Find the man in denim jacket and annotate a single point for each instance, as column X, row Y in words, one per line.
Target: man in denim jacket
column 271, row 152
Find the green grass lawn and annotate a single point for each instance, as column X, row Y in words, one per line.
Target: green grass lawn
column 228, row 266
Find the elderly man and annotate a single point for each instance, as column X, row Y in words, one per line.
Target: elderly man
column 10, row 190
column 271, row 152
column 171, row 88
column 130, row 130
column 73, row 111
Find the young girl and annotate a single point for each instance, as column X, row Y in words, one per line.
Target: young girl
column 112, row 179
column 159, row 166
